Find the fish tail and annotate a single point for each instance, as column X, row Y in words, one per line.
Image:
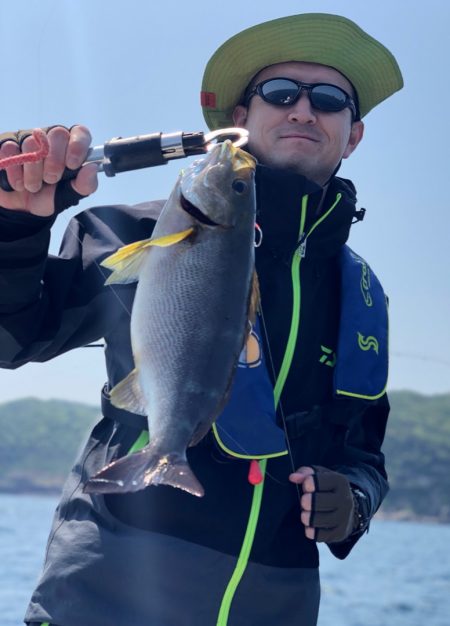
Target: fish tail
column 142, row 469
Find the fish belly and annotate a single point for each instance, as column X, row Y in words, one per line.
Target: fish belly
column 188, row 326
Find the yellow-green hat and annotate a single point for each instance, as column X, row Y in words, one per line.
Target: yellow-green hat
column 322, row 38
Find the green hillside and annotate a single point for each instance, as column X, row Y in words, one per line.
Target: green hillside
column 40, row 440
column 417, row 450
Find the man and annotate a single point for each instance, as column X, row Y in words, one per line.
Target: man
column 245, row 553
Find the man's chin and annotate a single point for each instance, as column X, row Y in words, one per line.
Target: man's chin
column 294, row 165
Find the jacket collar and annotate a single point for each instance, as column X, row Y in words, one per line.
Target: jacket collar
column 279, row 196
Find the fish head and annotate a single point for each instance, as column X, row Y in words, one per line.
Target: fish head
column 218, row 188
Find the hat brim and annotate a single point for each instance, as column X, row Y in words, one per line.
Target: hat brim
column 327, row 39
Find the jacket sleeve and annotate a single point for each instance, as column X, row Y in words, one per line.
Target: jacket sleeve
column 361, row 460
column 49, row 305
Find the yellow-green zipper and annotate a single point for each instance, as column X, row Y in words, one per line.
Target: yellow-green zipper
column 296, row 288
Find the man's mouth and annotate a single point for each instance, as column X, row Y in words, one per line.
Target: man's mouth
column 299, row 136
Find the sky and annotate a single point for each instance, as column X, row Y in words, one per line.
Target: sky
column 125, row 69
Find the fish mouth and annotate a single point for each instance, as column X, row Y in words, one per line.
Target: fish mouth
column 195, row 212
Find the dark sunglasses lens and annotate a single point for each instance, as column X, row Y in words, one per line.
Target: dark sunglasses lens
column 328, row 98
column 279, row 91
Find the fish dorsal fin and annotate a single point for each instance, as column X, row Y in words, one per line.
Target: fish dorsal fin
column 126, row 263
column 128, row 394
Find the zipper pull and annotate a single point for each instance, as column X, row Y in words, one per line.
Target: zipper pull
column 255, row 476
column 301, row 248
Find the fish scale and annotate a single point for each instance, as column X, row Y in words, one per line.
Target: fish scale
column 189, row 335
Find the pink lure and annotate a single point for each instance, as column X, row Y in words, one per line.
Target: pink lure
column 29, row 157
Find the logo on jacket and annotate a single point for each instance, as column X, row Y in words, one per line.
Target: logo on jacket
column 328, row 357
column 368, row 343
column 365, row 284
column 251, row 355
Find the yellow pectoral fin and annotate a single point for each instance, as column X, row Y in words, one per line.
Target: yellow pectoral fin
column 114, row 261
column 169, row 240
column 127, row 261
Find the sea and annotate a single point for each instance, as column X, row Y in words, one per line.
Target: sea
column 397, row 575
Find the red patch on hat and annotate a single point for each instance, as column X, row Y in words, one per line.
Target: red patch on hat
column 208, row 99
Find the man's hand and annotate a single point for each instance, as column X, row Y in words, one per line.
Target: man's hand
column 327, row 505
column 34, row 184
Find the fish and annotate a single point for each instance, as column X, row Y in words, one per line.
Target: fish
column 190, row 317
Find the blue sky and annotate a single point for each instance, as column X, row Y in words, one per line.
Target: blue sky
column 132, row 68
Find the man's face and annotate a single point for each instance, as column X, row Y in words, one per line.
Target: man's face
column 298, row 137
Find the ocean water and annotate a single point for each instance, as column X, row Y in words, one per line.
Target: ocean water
column 397, row 575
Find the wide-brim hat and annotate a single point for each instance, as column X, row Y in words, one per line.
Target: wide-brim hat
column 322, row 38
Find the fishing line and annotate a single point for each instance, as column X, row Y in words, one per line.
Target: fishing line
column 103, row 274
column 280, row 404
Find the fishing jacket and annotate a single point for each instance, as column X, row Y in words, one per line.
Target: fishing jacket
column 161, row 556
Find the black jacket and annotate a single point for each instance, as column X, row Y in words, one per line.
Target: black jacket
column 120, row 559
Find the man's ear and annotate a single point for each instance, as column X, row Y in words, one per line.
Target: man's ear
column 356, row 134
column 240, row 115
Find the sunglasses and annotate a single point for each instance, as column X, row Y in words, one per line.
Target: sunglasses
column 286, row 91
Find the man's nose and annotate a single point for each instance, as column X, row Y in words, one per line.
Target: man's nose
column 302, row 111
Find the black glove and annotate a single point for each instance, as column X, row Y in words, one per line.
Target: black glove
column 65, row 194
column 19, row 136
column 335, row 507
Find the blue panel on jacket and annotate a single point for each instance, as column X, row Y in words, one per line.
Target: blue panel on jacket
column 247, row 426
column 362, row 353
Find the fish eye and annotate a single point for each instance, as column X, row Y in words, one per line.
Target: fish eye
column 239, row 186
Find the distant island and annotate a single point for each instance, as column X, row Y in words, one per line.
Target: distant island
column 40, row 440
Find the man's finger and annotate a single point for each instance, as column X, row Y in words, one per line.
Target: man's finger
column 32, row 172
column 306, row 502
column 310, row 533
column 300, row 475
column 86, row 181
column 305, row 517
column 55, row 162
column 15, row 172
column 317, row 508
column 79, row 142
